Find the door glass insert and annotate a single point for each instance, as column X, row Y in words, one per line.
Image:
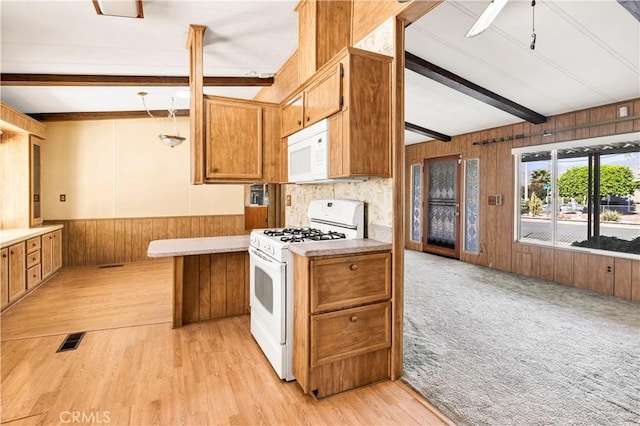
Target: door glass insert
column 442, row 184
column 264, row 289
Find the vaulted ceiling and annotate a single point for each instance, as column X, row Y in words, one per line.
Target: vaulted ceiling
column 587, row 53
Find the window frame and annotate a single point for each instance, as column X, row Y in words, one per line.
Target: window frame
column 553, row 149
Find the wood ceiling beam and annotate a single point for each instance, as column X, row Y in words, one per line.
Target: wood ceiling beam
column 426, row 132
column 103, row 115
column 454, row 81
column 8, row 79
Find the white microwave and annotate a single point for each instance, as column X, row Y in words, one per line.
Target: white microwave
column 308, row 154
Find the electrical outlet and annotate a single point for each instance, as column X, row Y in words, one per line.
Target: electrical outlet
column 289, row 200
column 63, row 198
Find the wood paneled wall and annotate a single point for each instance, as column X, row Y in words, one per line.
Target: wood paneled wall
column 497, row 246
column 215, row 286
column 107, row 241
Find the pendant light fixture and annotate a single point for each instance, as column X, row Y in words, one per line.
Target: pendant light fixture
column 169, row 140
column 533, row 25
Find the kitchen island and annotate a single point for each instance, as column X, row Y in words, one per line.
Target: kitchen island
column 210, row 276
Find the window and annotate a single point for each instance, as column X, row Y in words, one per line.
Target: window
column 580, row 193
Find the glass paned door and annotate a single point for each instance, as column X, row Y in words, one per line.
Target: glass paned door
column 442, row 207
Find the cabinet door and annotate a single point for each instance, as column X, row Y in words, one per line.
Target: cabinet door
column 47, row 254
column 35, row 206
column 4, row 278
column 57, row 250
column 367, row 111
column 17, row 272
column 292, row 116
column 324, row 96
column 34, row 276
column 233, row 147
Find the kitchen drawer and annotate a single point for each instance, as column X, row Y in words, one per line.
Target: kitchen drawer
column 344, row 282
column 34, row 276
column 33, row 244
column 350, row 332
column 33, row 258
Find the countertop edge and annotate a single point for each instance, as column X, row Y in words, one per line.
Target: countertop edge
column 177, row 247
column 338, row 247
column 24, row 234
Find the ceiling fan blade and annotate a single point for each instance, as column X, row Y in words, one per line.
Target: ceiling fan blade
column 487, row 17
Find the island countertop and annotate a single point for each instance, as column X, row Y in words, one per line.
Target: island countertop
column 337, row 247
column 195, row 246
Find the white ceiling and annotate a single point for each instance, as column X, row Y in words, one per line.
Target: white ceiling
column 587, row 54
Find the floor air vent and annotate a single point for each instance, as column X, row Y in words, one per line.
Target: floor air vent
column 71, row 342
column 115, row 265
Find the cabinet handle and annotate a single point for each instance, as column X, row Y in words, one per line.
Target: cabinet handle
column 354, row 318
column 308, row 118
column 353, row 267
column 4, row 255
column 299, row 122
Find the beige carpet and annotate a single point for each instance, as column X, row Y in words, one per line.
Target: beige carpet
column 492, row 348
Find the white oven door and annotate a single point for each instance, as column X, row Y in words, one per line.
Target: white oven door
column 268, row 290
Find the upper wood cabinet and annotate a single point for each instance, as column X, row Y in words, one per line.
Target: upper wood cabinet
column 319, row 99
column 242, row 141
column 354, row 91
column 333, row 18
column 292, row 115
column 20, row 195
column 35, row 156
column 362, row 145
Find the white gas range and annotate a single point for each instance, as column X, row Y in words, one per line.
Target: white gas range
column 271, row 273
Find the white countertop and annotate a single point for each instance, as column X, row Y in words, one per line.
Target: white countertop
column 11, row 236
column 328, row 248
column 195, row 246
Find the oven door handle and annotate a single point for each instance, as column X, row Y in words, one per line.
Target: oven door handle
column 264, row 259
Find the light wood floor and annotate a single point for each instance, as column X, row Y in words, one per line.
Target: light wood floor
column 92, row 298
column 211, row 372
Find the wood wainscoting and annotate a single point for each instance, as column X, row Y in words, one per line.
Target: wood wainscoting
column 610, row 275
column 87, row 242
column 210, row 286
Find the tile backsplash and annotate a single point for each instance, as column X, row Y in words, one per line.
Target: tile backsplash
column 376, row 193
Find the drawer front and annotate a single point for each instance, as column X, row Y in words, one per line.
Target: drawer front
column 33, row 258
column 33, row 244
column 346, row 282
column 34, row 276
column 350, row 332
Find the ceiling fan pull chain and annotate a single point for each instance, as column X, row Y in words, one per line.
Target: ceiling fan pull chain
column 533, row 24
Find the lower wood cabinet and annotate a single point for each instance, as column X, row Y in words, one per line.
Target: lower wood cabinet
column 27, row 264
column 4, row 278
column 51, row 253
column 342, row 321
column 17, row 276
